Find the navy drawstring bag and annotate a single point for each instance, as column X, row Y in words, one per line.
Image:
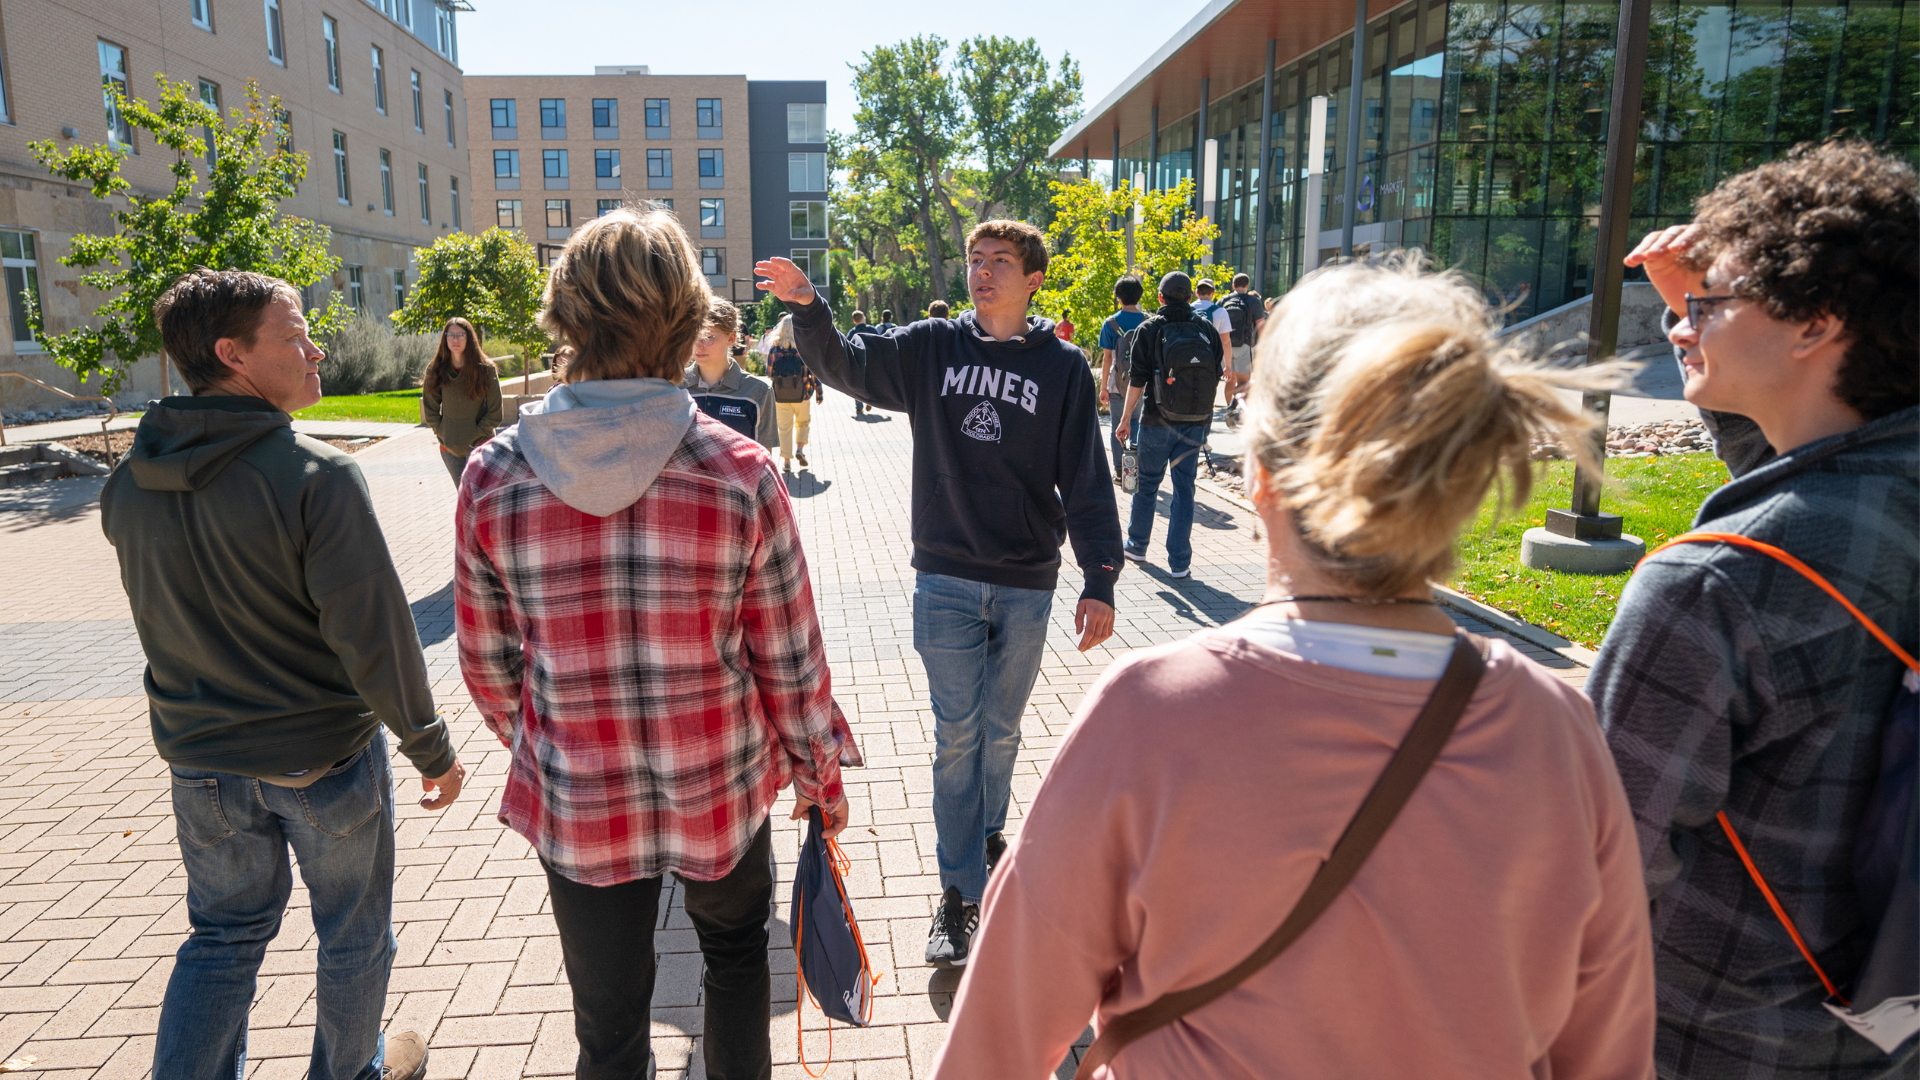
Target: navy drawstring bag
column 833, row 966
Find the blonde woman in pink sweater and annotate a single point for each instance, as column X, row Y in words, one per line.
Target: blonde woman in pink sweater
column 1498, row 931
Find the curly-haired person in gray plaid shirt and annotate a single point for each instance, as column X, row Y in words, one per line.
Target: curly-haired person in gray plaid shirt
column 1729, row 682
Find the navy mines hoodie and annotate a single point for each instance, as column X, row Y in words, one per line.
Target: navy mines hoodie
column 1008, row 457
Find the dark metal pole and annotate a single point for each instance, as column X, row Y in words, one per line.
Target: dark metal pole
column 1264, row 185
column 1610, row 245
column 1353, row 126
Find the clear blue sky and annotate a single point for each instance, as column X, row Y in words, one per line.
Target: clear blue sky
column 815, row 40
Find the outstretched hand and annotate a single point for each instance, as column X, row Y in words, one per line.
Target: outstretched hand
column 784, row 280
column 1662, row 255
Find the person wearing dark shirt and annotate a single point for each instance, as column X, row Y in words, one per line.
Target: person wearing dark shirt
column 1113, row 374
column 721, row 388
column 861, row 326
column 1006, row 466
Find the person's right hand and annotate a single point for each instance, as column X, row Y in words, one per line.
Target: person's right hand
column 1660, row 254
column 1104, row 395
column 1120, row 429
column 836, row 815
column 784, row 280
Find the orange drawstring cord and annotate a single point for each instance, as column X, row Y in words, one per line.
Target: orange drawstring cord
column 841, row 865
column 1778, row 911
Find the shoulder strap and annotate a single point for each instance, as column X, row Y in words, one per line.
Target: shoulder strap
column 1396, row 784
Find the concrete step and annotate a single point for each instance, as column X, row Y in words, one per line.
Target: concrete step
column 18, row 454
column 31, row 473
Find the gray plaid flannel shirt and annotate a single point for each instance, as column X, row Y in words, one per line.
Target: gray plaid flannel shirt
column 1729, row 682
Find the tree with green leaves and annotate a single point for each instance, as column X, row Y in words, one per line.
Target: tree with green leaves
column 493, row 281
column 225, row 216
column 909, row 120
column 1016, row 107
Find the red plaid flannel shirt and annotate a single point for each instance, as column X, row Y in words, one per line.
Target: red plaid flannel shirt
column 660, row 671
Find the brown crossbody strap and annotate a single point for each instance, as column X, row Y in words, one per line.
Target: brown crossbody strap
column 1396, row 785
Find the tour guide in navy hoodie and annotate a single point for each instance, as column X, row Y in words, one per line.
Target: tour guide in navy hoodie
column 1008, row 461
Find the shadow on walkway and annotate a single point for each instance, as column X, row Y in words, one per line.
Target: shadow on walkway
column 433, row 616
column 1196, row 601
column 805, row 485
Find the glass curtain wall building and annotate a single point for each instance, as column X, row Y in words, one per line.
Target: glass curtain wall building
column 1484, row 127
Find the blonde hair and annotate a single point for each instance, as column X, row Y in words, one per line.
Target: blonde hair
column 781, row 336
column 627, row 298
column 1384, row 408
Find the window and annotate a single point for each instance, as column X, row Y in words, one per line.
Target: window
column 706, row 116
column 202, row 13
column 330, row 44
column 806, row 123
column 399, row 285
column 341, row 189
column 660, row 169
column 506, row 165
column 22, row 265
column 559, row 218
column 606, row 169
column 553, row 114
column 276, row 43
column 605, row 206
column 6, row 106
column 606, row 112
column 713, row 262
column 426, row 207
column 379, row 81
column 447, row 97
column 113, row 76
column 406, row 13
column 553, row 164
column 713, row 172
column 713, row 218
column 809, row 220
column 386, row 182
column 419, row 112
column 506, row 213
column 443, row 30
column 503, row 116
column 283, row 121
column 659, row 119
column 210, row 95
column 661, row 204
column 356, row 290
column 806, row 172
column 453, row 195
column 814, row 262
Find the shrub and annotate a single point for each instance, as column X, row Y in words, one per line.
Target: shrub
column 366, row 357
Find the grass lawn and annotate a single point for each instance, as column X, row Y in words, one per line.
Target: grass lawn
column 1657, row 496
column 391, row 407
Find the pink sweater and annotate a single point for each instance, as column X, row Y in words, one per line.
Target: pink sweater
column 1499, row 931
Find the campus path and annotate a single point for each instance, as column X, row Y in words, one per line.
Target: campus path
column 91, row 890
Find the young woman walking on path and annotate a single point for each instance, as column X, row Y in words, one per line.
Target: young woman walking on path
column 794, row 387
column 1497, row 930
column 460, row 395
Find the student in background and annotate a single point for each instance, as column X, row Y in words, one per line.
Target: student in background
column 460, row 395
column 793, row 389
column 937, row 310
column 1114, row 371
column 722, row 388
column 861, row 326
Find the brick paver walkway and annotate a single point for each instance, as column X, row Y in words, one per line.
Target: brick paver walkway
column 91, row 889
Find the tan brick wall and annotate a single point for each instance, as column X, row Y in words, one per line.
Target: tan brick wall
column 631, row 91
column 53, row 81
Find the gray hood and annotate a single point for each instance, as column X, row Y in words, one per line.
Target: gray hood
column 599, row 445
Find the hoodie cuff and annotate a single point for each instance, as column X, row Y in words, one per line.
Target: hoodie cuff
column 811, row 314
column 1099, row 587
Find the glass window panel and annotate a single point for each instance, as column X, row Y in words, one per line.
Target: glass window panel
column 506, row 213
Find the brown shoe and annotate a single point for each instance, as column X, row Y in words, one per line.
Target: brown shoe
column 406, row 1057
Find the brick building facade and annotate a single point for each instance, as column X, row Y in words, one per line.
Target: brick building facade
column 375, row 96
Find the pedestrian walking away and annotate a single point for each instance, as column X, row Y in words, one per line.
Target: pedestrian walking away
column 938, row 310
column 1006, row 466
column 460, row 395
column 1207, row 308
column 1179, row 356
column 653, row 707
column 1246, row 312
column 721, row 388
column 1431, row 821
column 1748, row 709
column 794, row 389
column 1064, row 328
column 861, row 326
column 278, row 643
column 1114, row 369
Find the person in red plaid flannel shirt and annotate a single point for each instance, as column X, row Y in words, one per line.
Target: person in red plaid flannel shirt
column 635, row 622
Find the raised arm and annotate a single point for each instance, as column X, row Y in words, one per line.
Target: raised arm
column 871, row 367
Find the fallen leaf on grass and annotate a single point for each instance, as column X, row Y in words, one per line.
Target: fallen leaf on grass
column 18, row 1064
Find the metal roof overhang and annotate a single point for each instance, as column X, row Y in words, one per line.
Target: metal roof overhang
column 1226, row 43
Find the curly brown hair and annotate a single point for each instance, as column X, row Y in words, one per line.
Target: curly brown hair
column 1833, row 228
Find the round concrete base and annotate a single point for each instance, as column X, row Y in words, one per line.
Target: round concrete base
column 1543, row 550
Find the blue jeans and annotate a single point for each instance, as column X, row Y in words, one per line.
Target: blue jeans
column 234, row 833
column 1163, row 449
column 982, row 645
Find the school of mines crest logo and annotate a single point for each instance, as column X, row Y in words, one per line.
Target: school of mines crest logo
column 982, row 423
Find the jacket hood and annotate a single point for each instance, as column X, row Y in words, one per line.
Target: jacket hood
column 1039, row 331
column 599, row 445
column 1883, row 445
column 182, row 443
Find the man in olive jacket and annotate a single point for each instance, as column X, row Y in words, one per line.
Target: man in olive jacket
column 278, row 642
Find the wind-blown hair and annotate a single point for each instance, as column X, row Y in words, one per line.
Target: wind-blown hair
column 627, row 298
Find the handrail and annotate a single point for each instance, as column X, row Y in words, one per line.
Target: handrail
column 113, row 410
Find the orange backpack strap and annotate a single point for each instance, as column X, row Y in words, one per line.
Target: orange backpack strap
column 1873, row 628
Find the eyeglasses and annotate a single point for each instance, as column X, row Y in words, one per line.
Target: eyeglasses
column 1699, row 306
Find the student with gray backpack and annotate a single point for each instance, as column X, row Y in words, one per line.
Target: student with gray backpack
column 1175, row 365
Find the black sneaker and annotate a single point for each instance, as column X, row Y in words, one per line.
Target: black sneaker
column 951, row 938
column 996, row 847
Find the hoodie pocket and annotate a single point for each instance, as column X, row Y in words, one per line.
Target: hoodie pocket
column 991, row 524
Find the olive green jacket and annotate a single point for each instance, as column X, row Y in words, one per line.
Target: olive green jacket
column 459, row 422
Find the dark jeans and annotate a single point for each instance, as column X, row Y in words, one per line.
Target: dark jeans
column 1167, row 452
column 606, row 938
column 455, row 464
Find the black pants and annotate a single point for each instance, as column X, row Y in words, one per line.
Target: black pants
column 606, row 937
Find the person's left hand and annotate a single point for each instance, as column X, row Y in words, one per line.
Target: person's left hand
column 1093, row 621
